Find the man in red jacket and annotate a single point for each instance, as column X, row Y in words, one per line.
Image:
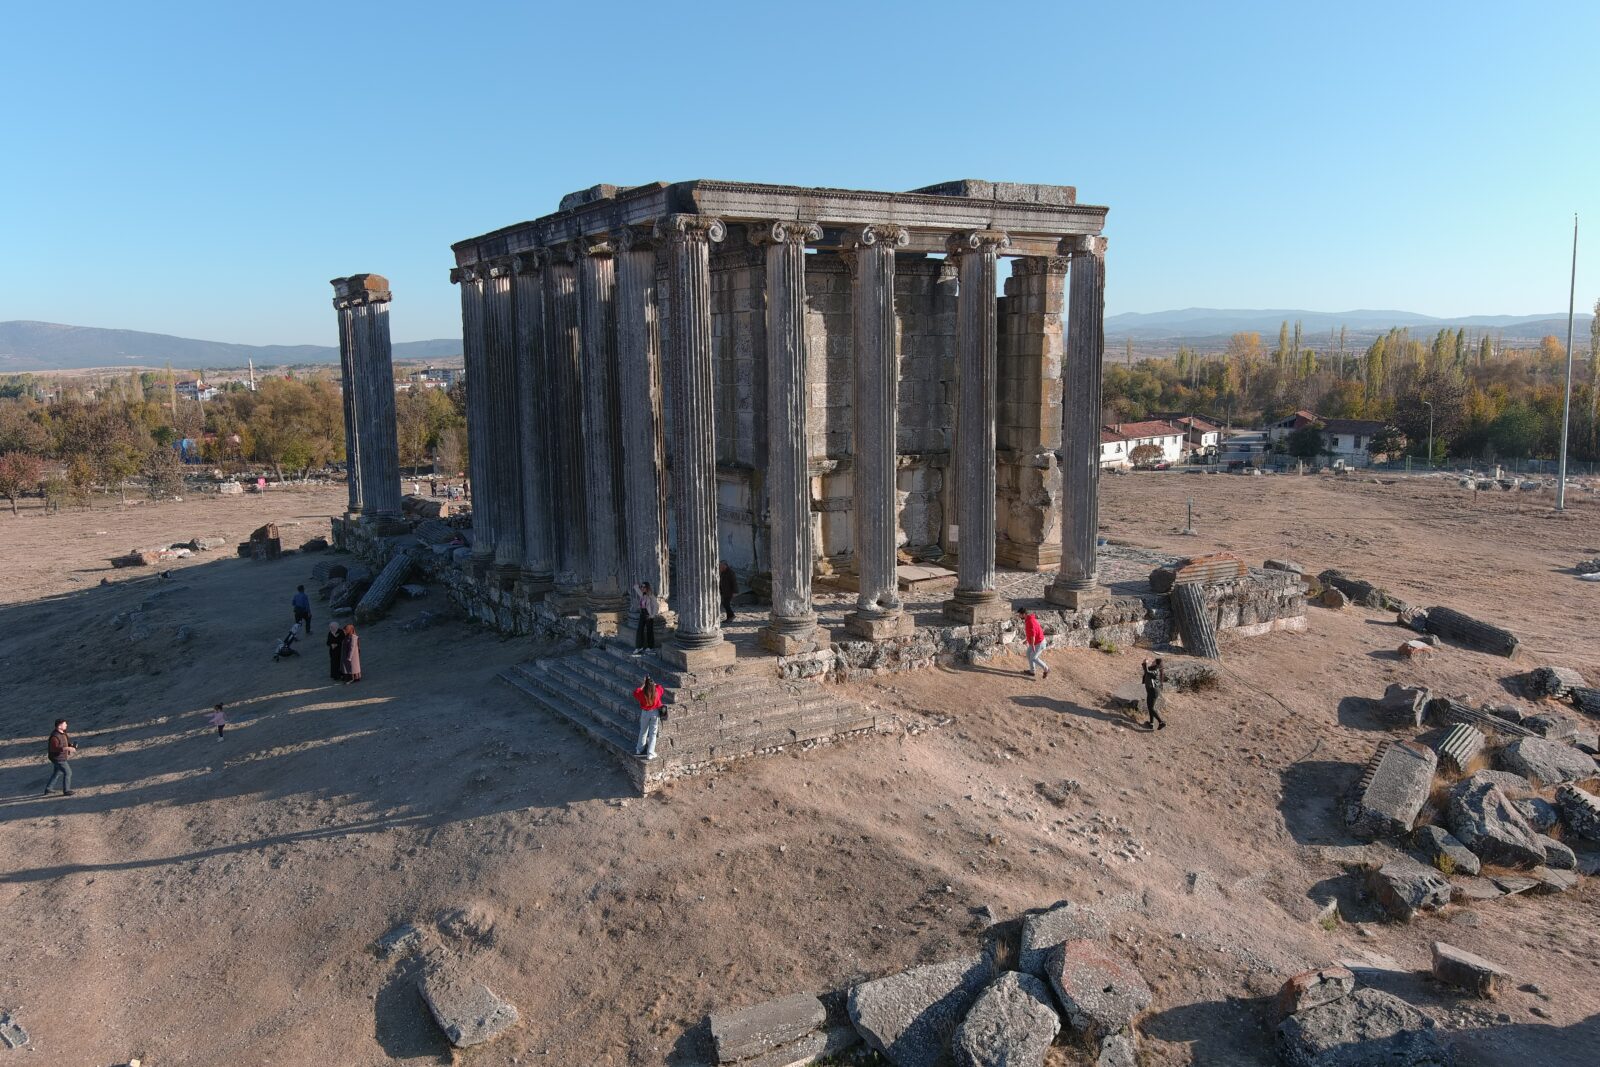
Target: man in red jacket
column 61, row 750
column 1033, row 637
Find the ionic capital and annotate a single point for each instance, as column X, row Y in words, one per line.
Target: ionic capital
column 529, row 261
column 594, row 245
column 634, row 239
column 1040, row 265
column 500, row 267
column 359, row 289
column 886, row 236
column 699, row 229
column 1086, row 244
column 981, row 241
column 783, row 231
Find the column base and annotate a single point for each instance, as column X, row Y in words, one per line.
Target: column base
column 480, row 567
column 970, row 611
column 507, row 574
column 719, row 654
column 785, row 643
column 569, row 600
column 1076, row 599
column 534, row 586
column 879, row 628
column 605, row 623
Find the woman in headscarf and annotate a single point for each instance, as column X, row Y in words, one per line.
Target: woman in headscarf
column 335, row 652
column 351, row 652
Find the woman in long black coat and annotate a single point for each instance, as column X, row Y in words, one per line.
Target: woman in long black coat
column 335, row 652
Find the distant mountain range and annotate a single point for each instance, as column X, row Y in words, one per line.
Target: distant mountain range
column 1207, row 324
column 48, row 346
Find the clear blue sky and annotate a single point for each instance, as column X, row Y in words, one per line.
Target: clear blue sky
column 204, row 169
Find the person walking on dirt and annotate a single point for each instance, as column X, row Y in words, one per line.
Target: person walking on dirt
column 1154, row 676
column 302, row 609
column 61, row 752
column 650, row 715
column 648, row 607
column 350, row 655
column 219, row 719
column 1033, row 637
column 728, row 586
column 335, row 652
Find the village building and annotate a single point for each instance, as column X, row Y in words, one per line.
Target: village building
column 1350, row 440
column 1202, row 438
column 1158, row 434
column 1287, row 425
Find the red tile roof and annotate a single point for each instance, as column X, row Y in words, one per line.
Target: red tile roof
column 1152, row 428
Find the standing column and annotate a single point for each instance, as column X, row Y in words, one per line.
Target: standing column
column 876, row 399
column 472, row 356
column 503, row 464
column 367, row 298
column 644, row 466
column 698, row 642
column 562, row 349
column 602, row 454
column 1076, row 585
column 1028, row 430
column 347, row 388
column 977, row 255
column 793, row 626
column 533, row 423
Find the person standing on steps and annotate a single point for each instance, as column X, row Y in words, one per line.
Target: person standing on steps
column 648, row 607
column 61, row 752
column 728, row 586
column 350, row 655
column 1033, row 637
column 335, row 652
column 302, row 609
column 651, row 712
column 1154, row 676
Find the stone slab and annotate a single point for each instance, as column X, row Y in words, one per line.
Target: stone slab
column 969, row 613
column 1101, row 992
column 1312, row 989
column 1392, row 790
column 787, row 644
column 720, row 654
column 761, row 1028
column 468, row 1011
column 1548, row 761
column 868, row 628
column 1481, row 817
column 1466, row 970
column 1551, row 880
column 1366, row 1028
column 1012, row 1024
column 1443, row 849
column 910, row 1017
column 1044, row 932
column 1580, row 811
column 1404, row 887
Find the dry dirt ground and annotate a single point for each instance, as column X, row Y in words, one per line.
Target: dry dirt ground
column 200, row 902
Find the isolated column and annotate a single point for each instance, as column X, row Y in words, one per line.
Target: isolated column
column 644, row 461
column 698, row 642
column 352, row 439
column 503, row 463
column 367, row 296
column 566, row 459
column 1076, row 584
column 793, row 625
column 602, row 453
column 533, row 422
column 473, row 356
column 879, row 613
column 977, row 255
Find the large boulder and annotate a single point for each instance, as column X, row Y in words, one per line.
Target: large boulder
column 910, row 1017
column 1404, row 705
column 1445, row 851
column 1102, row 992
column 1392, row 789
column 1368, row 1028
column 1404, row 887
column 1312, row 989
column 1010, row 1025
column 468, row 1011
column 1550, row 762
column 1043, row 932
column 752, row 1031
column 1481, row 817
column 1466, row 970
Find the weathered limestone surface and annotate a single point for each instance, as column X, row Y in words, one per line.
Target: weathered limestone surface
column 1077, row 585
column 1404, row 887
column 1479, row 814
column 1392, row 789
column 536, row 438
column 468, row 1011
column 1550, row 762
column 1101, row 992
column 911, row 1016
column 1467, row 970
column 1365, row 1028
column 1442, row 848
column 1012, row 1024
column 763, row 1027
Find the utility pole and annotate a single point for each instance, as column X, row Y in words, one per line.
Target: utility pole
column 1429, row 405
column 1566, row 397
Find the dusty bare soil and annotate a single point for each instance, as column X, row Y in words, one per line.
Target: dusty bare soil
column 199, row 902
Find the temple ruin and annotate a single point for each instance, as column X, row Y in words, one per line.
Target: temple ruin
column 824, row 389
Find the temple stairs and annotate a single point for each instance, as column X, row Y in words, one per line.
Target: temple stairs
column 712, row 716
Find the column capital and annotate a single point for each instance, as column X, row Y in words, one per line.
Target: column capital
column 472, row 272
column 969, row 241
column 887, row 235
column 785, row 231
column 634, row 238
column 1040, row 265
column 359, row 289
column 1084, row 244
column 499, row 267
column 530, row 261
column 690, row 229
column 559, row 252
column 594, row 245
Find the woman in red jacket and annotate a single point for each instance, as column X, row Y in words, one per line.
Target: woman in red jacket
column 1033, row 637
column 650, row 715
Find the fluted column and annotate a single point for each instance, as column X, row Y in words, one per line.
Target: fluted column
column 566, row 460
column 793, row 624
column 876, row 398
column 347, row 388
column 503, row 464
column 1077, row 583
column 471, row 280
column 602, row 453
column 698, row 642
column 977, row 257
column 533, row 423
column 644, row 461
column 366, row 299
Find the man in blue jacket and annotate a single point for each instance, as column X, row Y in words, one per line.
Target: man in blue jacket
column 302, row 608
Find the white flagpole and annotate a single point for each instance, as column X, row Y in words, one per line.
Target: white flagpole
column 1566, row 398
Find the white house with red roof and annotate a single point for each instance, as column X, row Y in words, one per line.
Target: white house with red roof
column 1118, row 441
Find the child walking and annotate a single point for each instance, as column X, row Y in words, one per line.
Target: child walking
column 219, row 719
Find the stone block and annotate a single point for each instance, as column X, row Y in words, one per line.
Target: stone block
column 868, row 628
column 1404, row 887
column 1551, row 726
column 1481, row 817
column 911, row 1016
column 1366, row 1028
column 467, row 1011
column 1555, row 682
column 1101, row 991
column 1392, row 790
column 1459, row 747
column 1044, row 932
column 1405, row 705
column 1076, row 599
column 1012, row 1023
column 720, row 654
column 1312, row 989
column 791, row 644
column 1549, row 762
column 759, row 1029
column 1540, row 813
column 1552, row 880
column 1580, row 812
column 1442, row 848
column 1557, row 856
column 973, row 613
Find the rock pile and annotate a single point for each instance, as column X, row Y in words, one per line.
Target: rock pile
column 1335, row 1024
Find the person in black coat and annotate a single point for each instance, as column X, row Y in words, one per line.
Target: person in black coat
column 728, row 586
column 335, row 652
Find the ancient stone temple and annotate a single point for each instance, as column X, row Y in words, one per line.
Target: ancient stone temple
column 792, row 381
column 372, row 453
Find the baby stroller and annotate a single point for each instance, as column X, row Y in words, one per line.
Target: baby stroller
column 286, row 646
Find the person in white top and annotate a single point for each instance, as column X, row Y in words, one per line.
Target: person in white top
column 648, row 607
